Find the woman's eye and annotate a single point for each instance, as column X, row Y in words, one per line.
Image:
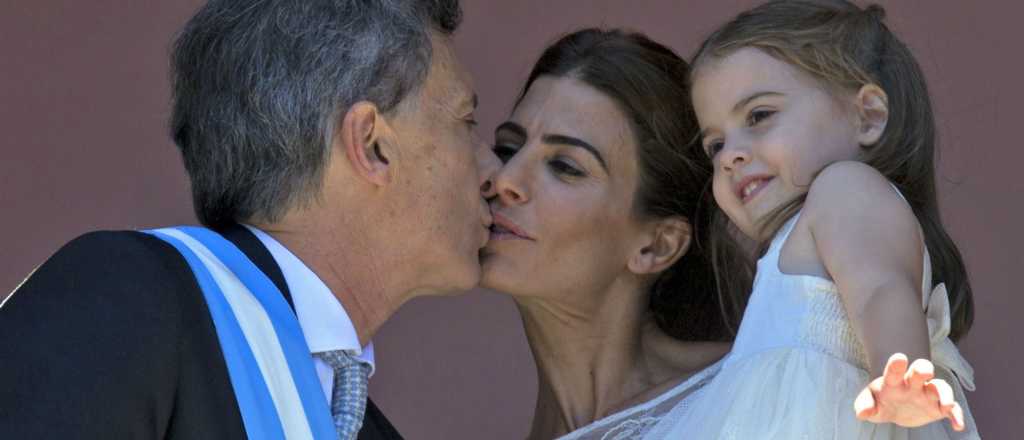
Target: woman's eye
column 758, row 115
column 504, row 152
column 563, row 167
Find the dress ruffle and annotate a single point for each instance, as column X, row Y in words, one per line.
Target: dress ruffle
column 787, row 394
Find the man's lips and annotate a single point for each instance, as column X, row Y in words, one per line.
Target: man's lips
column 748, row 187
column 503, row 228
column 488, row 219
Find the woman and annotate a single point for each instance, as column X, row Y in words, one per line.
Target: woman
column 600, row 236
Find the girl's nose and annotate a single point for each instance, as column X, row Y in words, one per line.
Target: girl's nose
column 733, row 156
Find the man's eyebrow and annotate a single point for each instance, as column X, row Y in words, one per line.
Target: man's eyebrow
column 742, row 103
column 562, row 139
column 465, row 104
column 469, row 100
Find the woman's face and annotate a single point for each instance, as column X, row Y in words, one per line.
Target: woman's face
column 563, row 210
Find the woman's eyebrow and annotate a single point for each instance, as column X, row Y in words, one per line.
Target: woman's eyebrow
column 556, row 139
column 561, row 139
column 516, row 129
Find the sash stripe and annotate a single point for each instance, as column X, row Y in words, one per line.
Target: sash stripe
column 269, row 362
column 259, row 416
column 286, row 326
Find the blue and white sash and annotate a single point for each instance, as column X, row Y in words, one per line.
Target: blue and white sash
column 269, row 363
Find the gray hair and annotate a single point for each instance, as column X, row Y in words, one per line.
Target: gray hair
column 258, row 86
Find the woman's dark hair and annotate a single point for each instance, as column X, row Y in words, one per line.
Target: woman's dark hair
column 845, row 48
column 648, row 82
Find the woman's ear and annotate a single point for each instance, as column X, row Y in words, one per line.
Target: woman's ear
column 669, row 240
column 872, row 105
column 360, row 137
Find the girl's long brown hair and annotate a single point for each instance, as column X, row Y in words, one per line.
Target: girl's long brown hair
column 846, row 47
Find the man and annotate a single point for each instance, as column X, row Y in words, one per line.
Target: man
column 329, row 146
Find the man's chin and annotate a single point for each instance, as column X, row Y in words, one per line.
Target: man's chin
column 467, row 279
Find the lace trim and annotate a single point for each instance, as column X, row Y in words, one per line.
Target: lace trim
column 629, row 427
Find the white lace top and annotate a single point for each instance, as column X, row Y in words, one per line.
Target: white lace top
column 634, row 422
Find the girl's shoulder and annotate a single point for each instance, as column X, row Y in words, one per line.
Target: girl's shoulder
column 860, row 224
column 851, row 208
column 850, row 188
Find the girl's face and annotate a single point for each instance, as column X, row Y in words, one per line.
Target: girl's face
column 563, row 214
column 769, row 129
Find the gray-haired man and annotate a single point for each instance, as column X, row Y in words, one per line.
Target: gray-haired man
column 329, row 148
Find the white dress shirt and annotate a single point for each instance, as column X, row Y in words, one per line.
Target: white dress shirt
column 323, row 319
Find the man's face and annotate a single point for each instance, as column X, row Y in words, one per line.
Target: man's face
column 444, row 216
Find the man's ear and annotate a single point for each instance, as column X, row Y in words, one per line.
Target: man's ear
column 668, row 241
column 359, row 137
column 872, row 106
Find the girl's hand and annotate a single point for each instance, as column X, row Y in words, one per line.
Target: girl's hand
column 909, row 397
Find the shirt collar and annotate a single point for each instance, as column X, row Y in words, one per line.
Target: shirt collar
column 323, row 319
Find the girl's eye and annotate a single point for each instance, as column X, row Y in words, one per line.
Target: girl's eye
column 504, row 152
column 563, row 167
column 757, row 115
column 713, row 148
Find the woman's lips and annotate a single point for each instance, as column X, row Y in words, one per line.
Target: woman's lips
column 505, row 229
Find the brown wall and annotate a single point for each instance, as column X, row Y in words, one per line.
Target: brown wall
column 83, row 105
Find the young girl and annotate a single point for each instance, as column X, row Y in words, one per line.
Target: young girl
column 819, row 126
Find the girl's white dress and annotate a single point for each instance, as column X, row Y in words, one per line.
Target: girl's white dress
column 797, row 366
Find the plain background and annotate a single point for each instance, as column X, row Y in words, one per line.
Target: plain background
column 84, row 104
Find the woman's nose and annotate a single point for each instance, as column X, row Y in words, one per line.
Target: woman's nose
column 509, row 184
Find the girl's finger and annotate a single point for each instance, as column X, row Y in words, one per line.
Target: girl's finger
column 919, row 372
column 895, row 368
column 956, row 417
column 864, row 404
column 944, row 391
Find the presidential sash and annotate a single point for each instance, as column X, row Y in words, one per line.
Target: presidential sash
column 269, row 363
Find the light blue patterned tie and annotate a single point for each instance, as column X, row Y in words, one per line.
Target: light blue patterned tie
column 348, row 396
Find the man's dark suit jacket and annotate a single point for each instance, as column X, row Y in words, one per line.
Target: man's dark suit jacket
column 111, row 338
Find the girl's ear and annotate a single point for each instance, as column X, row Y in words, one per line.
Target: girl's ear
column 872, row 106
column 669, row 240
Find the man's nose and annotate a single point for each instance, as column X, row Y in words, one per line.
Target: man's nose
column 488, row 165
